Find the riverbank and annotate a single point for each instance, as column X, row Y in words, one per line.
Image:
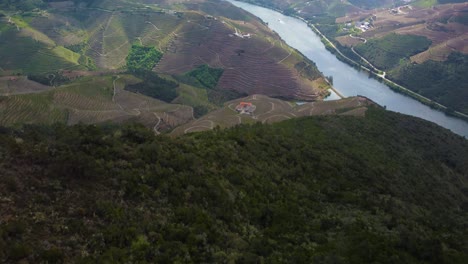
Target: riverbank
column 380, row 75
column 348, row 80
column 375, row 73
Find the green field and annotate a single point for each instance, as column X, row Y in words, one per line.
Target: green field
column 425, row 3
column 392, row 50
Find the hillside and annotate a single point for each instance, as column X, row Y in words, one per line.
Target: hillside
column 264, row 109
column 88, row 100
column 98, row 35
column 397, row 37
column 166, row 131
column 382, row 188
column 411, row 39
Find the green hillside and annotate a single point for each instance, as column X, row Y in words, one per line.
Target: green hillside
column 102, row 166
column 384, row 188
column 444, row 81
column 21, row 54
column 393, row 49
column 170, row 38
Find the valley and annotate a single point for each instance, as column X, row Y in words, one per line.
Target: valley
column 347, row 80
column 208, row 131
column 94, row 38
column 387, row 25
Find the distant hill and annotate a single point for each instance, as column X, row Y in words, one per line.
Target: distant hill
column 381, row 188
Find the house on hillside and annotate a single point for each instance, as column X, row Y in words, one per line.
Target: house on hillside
column 245, row 108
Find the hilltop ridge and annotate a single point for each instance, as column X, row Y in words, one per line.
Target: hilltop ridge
column 380, row 188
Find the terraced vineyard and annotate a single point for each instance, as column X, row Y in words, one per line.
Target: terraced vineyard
column 37, row 108
column 20, row 85
column 101, row 34
column 114, row 33
column 24, row 54
column 270, row 110
column 69, row 39
column 261, row 63
column 91, row 100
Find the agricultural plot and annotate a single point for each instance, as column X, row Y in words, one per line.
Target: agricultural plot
column 11, row 85
column 24, row 54
column 114, row 33
column 194, row 97
column 261, row 63
column 441, row 24
column 62, row 30
column 93, row 99
column 397, row 43
column 387, row 52
column 62, row 39
column 30, row 108
column 100, row 36
column 441, row 51
column 270, row 110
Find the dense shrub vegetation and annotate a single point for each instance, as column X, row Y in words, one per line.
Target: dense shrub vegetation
column 445, row 82
column 385, row 188
column 51, row 78
column 389, row 51
column 142, row 59
column 22, row 5
column 154, row 86
column 206, row 76
column 461, row 18
column 202, row 76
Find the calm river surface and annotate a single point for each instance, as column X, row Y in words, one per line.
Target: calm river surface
column 347, row 80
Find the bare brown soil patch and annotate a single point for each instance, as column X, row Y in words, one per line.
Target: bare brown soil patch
column 348, row 41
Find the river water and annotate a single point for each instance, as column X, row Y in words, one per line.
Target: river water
column 347, row 80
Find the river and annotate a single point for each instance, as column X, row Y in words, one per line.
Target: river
column 347, row 80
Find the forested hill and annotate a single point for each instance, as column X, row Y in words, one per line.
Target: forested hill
column 384, row 188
